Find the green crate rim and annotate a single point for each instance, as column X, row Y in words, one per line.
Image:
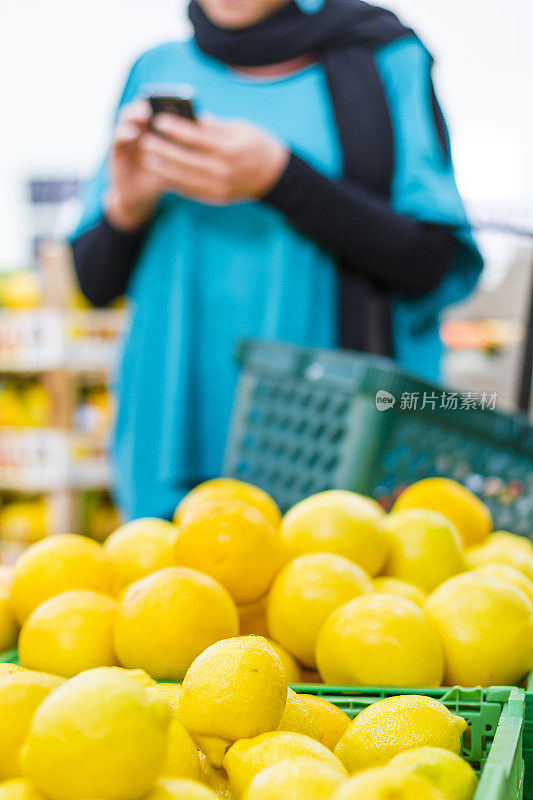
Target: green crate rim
column 9, row 657
column 502, row 774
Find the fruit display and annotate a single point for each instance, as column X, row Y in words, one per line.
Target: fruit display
column 21, row 291
column 57, row 358
column 94, row 411
column 226, row 606
column 110, row 733
column 24, row 404
column 338, row 587
column 24, row 520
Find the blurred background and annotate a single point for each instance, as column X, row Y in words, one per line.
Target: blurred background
column 63, row 66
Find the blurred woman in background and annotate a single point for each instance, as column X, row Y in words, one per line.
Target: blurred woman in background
column 314, row 202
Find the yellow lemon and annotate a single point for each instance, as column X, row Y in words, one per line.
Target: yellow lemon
column 176, row 789
column 19, row 789
column 8, row 623
column 499, row 553
column 9, row 669
column 138, row 675
column 234, row 543
column 297, row 717
column 168, row 618
column 295, row 779
column 69, row 633
column 100, row 735
column 292, row 670
column 253, row 618
column 511, row 540
column 332, row 722
column 224, row 488
column 509, row 575
column 468, row 513
column 141, row 547
column 249, row 756
column 183, row 759
column 20, row 695
column 386, row 783
column 235, row 689
column 402, row 588
column 58, row 564
column 425, row 548
column 21, row 290
column 340, row 522
column 24, row 522
column 379, row 640
column 171, row 692
column 486, row 629
column 216, row 779
column 305, row 593
column 390, row 726
column 449, row 772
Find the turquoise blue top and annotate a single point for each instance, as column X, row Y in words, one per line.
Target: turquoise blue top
column 209, row 275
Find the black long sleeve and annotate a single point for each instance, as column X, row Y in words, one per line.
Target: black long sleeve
column 104, row 258
column 357, row 227
column 362, row 230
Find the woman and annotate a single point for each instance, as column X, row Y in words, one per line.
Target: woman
column 314, row 202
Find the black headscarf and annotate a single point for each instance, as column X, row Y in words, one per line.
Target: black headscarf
column 289, row 32
column 343, row 36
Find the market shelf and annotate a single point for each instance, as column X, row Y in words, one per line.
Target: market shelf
column 35, row 460
column 51, row 339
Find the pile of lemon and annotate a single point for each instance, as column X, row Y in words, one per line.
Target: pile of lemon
column 237, row 602
column 233, row 729
column 427, row 595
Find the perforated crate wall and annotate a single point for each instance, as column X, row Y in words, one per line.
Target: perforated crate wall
column 306, row 420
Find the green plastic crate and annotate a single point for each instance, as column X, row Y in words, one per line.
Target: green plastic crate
column 9, row 657
column 528, row 738
column 306, row 420
column 492, row 742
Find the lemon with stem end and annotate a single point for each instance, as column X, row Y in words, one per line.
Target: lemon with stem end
column 236, row 689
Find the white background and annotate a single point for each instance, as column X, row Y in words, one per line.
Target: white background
column 63, row 62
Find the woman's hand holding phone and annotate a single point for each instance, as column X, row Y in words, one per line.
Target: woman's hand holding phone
column 135, row 189
column 213, row 161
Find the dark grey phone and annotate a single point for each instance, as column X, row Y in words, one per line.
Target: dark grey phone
column 181, row 103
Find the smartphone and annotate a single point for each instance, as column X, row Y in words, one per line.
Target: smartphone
column 181, row 102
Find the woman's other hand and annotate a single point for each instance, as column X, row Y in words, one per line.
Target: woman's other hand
column 135, row 189
column 213, row 161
